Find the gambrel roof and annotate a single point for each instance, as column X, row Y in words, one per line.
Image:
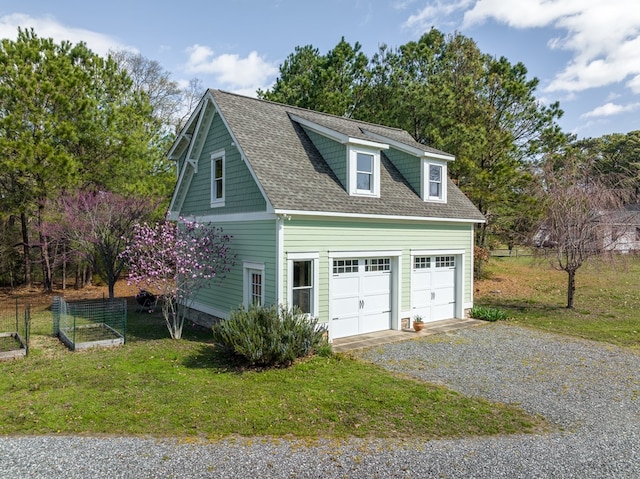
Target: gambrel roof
column 295, row 178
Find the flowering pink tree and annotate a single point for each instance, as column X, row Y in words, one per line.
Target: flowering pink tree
column 96, row 225
column 175, row 261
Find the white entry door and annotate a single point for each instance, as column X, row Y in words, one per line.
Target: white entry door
column 360, row 296
column 433, row 286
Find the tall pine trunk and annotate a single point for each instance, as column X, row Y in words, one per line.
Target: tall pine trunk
column 26, row 249
column 45, row 258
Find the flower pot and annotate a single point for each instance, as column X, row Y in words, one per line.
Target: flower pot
column 418, row 326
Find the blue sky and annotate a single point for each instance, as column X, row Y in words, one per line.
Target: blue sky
column 586, row 53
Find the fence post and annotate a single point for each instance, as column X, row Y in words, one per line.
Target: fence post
column 124, row 320
column 27, row 328
column 56, row 306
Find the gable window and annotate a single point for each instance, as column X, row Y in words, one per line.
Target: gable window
column 303, row 282
column 217, row 179
column 253, row 284
column 363, row 172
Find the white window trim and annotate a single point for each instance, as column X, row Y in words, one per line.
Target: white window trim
column 315, row 266
column 218, row 202
column 424, row 180
column 249, row 267
column 352, row 171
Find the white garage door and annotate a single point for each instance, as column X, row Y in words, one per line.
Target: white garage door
column 360, row 296
column 433, row 286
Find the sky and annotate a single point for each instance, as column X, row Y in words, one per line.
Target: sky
column 585, row 53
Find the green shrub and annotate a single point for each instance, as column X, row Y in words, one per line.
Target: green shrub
column 488, row 314
column 269, row 336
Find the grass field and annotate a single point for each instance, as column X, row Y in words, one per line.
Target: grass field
column 160, row 387
column 607, row 299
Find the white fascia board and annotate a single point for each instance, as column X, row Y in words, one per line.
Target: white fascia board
column 176, row 203
column 411, row 150
column 242, row 155
column 337, row 136
column 178, row 147
column 235, row 218
column 183, row 135
column 375, row 217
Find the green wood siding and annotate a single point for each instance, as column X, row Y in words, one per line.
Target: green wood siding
column 333, row 153
column 253, row 241
column 242, row 194
column 406, row 164
column 322, row 236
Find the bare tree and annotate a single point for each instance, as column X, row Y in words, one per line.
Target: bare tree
column 582, row 215
column 171, row 104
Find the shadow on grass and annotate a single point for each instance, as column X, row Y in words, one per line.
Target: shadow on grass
column 209, row 357
column 523, row 306
column 144, row 326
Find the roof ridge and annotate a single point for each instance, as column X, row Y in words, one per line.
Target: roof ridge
column 308, row 110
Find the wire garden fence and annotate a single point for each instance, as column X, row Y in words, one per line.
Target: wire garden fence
column 88, row 324
column 15, row 329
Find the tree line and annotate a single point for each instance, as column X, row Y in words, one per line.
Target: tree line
column 78, row 130
column 514, row 162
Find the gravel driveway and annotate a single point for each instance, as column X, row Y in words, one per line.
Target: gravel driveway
column 590, row 391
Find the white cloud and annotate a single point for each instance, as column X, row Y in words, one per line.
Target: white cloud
column 611, row 109
column 603, row 35
column 240, row 75
column 435, row 12
column 49, row 27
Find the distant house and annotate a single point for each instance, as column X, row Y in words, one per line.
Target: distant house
column 355, row 223
column 621, row 233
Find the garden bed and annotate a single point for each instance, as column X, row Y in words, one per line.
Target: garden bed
column 11, row 346
column 91, row 336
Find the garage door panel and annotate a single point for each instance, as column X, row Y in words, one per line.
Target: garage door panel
column 360, row 301
column 433, row 288
column 374, row 322
column 345, row 326
column 442, row 311
column 443, row 296
column 444, row 278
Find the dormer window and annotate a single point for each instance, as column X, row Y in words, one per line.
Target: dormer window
column 434, row 177
column 435, row 182
column 363, row 171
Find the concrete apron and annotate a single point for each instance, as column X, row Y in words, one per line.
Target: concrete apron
column 369, row 340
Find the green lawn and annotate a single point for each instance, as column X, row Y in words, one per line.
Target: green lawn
column 606, row 306
column 157, row 386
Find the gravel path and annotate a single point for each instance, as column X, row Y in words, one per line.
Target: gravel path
column 590, row 391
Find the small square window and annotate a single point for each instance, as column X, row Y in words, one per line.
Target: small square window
column 422, row 262
column 378, row 264
column 445, row 261
column 345, row 266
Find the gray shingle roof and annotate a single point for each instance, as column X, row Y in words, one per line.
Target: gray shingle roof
column 294, row 176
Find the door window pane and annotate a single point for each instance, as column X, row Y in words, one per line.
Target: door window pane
column 302, row 289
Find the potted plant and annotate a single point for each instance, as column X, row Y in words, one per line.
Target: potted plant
column 418, row 323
